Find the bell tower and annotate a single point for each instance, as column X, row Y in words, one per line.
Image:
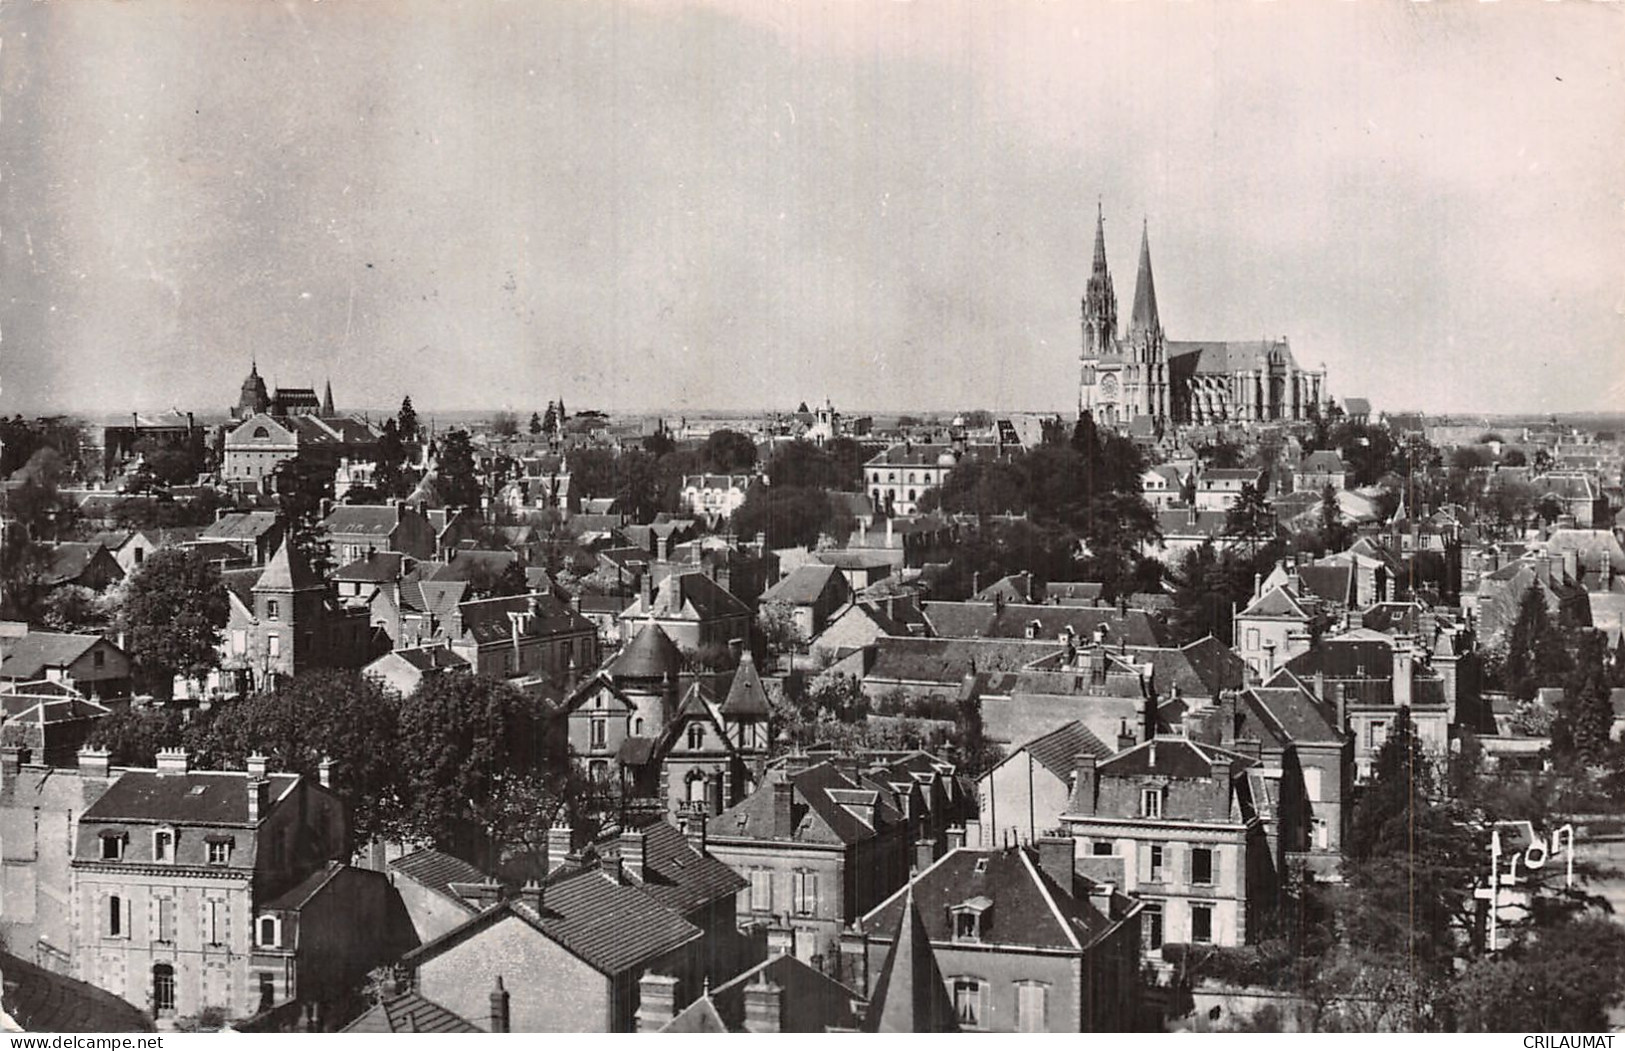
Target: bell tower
column 1099, row 330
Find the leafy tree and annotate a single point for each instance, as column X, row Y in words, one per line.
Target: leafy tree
column 174, row 609
column 659, row 444
column 1514, row 458
column 1585, row 719
column 1250, row 517
column 535, row 424
column 72, row 609
column 454, row 471
column 1223, row 452
column 332, row 714
column 777, row 628
column 406, row 421
column 791, row 516
column 1334, row 532
column 551, row 423
column 303, row 489
column 134, row 735
column 24, row 568
column 466, row 738
column 37, row 503
column 1566, row 980
column 512, row 581
column 505, row 425
column 1535, row 652
column 1550, row 509
column 801, row 464
column 728, row 452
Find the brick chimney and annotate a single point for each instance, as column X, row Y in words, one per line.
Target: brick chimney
column 94, row 762
column 692, row 823
column 784, row 821
column 1057, row 856
column 499, row 1007
column 256, row 765
column 1084, row 791
column 956, row 837
column 560, row 841
column 259, row 791
column 633, row 854
column 1227, row 718
column 657, row 1001
column 763, row 1005
column 1221, row 781
column 174, row 761
column 533, row 895
column 925, row 854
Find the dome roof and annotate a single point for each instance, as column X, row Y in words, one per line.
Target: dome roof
column 650, row 655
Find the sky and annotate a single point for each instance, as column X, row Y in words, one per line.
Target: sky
column 741, row 205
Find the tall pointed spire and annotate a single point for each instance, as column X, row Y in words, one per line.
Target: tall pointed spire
column 327, row 401
column 1100, row 243
column 1099, row 300
column 910, row 995
column 1144, row 317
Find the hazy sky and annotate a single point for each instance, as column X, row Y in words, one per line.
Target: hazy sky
column 753, row 204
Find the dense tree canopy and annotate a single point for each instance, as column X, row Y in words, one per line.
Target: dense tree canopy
column 174, row 608
column 728, row 452
column 791, row 516
column 455, row 477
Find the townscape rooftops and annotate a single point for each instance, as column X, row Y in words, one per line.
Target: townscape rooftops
column 1330, row 583
column 43, row 1001
column 28, row 657
column 1056, row 750
column 241, row 525
column 1295, row 713
column 913, row 455
column 437, row 871
column 70, row 559
column 909, row 659
column 810, row 1001
column 828, row 797
column 430, row 658
column 540, row 615
column 1172, row 757
column 1322, row 461
column 410, row 1012
column 289, row 571
column 650, row 655
column 678, row 876
column 967, row 620
column 804, row 586
column 199, row 797
column 746, row 694
column 363, row 520
column 376, row 567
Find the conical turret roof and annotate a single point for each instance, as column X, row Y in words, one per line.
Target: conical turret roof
column 746, row 696
column 910, row 995
column 650, row 655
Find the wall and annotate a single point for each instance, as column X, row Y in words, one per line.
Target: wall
column 1004, row 796
column 550, row 991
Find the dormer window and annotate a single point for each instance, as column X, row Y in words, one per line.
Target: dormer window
column 970, row 919
column 1151, row 802
column 113, row 846
column 268, row 932
column 163, row 845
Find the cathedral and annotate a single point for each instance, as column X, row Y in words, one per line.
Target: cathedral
column 1140, row 378
column 287, row 401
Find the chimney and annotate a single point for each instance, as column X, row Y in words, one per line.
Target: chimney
column 1057, row 856
column 662, row 548
column 1125, row 739
column 174, row 761
column 559, row 842
column 532, row 895
column 1221, row 779
column 1227, row 718
column 93, row 762
column 256, row 766
column 11, row 762
column 324, row 773
column 692, row 823
column 258, row 795
column 956, row 837
column 763, row 1005
column 657, row 1001
column 499, row 1007
column 784, row 823
column 1083, row 782
column 1571, row 563
column 1403, row 661
column 925, row 854
column 646, row 589
column 633, row 854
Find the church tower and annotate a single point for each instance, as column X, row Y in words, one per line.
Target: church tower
column 1148, row 383
column 327, row 402
column 253, row 399
column 1097, row 389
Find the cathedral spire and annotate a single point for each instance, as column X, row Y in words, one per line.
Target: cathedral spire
column 1099, row 300
column 1100, row 244
column 327, row 401
column 1144, row 317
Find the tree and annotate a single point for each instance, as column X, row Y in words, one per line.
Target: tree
column 303, row 491
column 1334, row 532
column 728, row 452
column 136, row 734
column 551, row 423
column 72, row 609
column 535, row 424
column 466, row 738
column 505, row 425
column 1585, row 718
column 1250, row 517
column 1514, row 458
column 174, row 609
column 24, row 568
column 406, row 421
column 454, row 471
column 337, row 715
column 1565, row 980
column 778, row 629
column 791, row 516
column 1535, row 653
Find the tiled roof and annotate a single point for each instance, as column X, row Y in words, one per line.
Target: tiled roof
column 487, row 620
column 948, row 661
column 288, row 571
column 1220, row 357
column 1368, row 656
column 821, row 816
column 1056, row 750
column 27, row 657
column 809, row 1001
column 42, row 1001
column 746, row 695
column 437, row 870
column 614, row 928
column 201, row 797
column 410, row 1012
column 240, row 525
column 1295, row 713
column 1219, row 666
column 375, row 567
column 1329, row 583
column 363, row 519
column 1029, row 909
column 678, row 876
column 1171, row 757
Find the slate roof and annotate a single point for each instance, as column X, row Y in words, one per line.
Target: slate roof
column 820, row 816
column 1329, row 583
column 429, row 658
column 810, row 1001
column 1218, row 666
column 1029, row 909
column 240, row 525
column 27, row 657
column 1056, row 750
column 1276, row 602
column 1323, row 461
column 948, row 661
column 410, row 1012
column 650, row 655
column 678, row 876
column 746, row 695
column 709, row 600
column 1174, row 757
column 42, row 1001
column 288, row 571
column 437, row 871
column 221, row 799
column 1294, row 713
column 376, row 567
column 910, row 995
column 439, row 598
column 487, row 620
column 1220, row 357
column 964, row 620
column 69, row 560
column 467, row 564
column 915, row 455
column 612, row 927
column 240, row 582
column 804, row 586
column 362, row 520
column 1369, row 656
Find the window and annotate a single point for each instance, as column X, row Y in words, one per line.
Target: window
column 1202, row 866
column 761, row 890
column 273, row 644
column 1377, row 735
column 1151, row 802
column 966, row 926
column 113, row 847
column 1103, row 848
column 269, row 932
column 214, row 927
column 1252, row 638
column 696, row 789
column 804, row 891
column 600, row 731
column 1156, row 863
column 220, row 852
column 267, row 989
column 273, row 609
column 139, row 555
column 1311, row 783
column 970, row 1001
column 1151, row 925
column 1202, row 924
column 164, row 921
column 163, row 845
column 117, row 926
column 637, row 726
column 1030, row 1005
column 696, row 736
column 163, row 988
column 99, row 659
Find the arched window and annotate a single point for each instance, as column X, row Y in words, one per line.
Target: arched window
column 163, row 988
column 269, row 931
column 696, row 735
column 261, row 432
column 911, row 494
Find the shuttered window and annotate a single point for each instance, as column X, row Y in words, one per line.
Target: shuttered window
column 1031, row 1004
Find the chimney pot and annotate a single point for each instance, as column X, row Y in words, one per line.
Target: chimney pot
column 499, row 1007
column 174, row 761
column 763, row 1006
column 657, row 1001
column 256, row 765
column 94, row 762
column 633, row 854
